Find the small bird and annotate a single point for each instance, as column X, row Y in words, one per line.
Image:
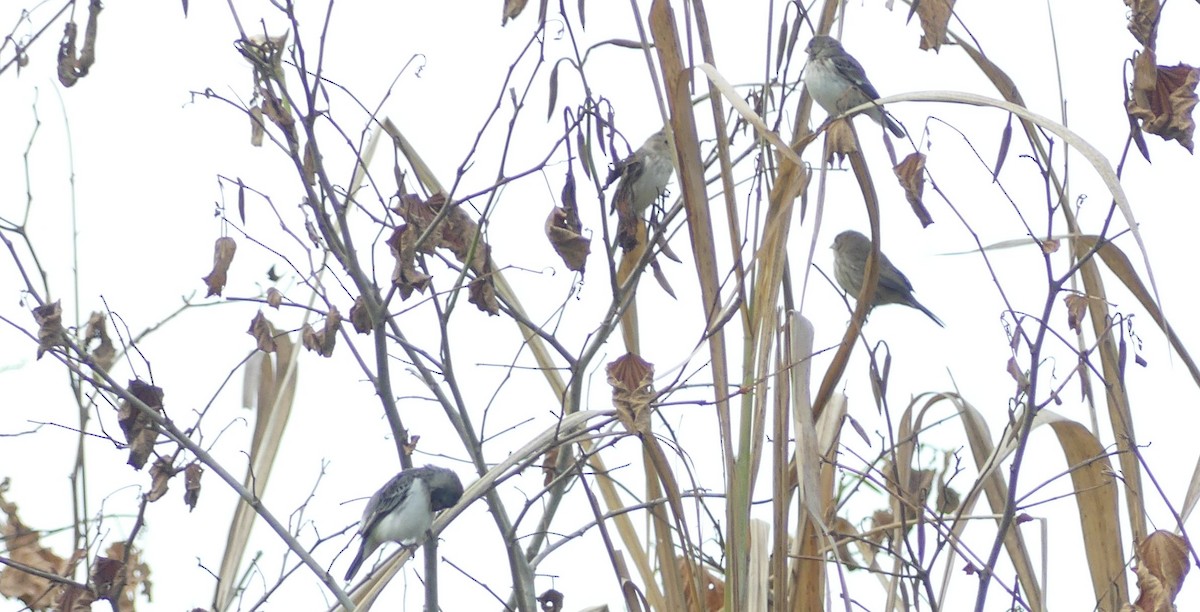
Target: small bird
column 850, row 251
column 838, row 83
column 643, row 179
column 402, row 511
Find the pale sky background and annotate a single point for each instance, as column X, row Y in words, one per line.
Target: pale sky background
column 146, row 155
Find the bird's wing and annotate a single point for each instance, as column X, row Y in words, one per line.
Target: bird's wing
column 385, row 500
column 853, row 71
column 896, row 280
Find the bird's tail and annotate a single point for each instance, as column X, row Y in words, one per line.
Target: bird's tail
column 897, row 131
column 925, row 310
column 358, row 561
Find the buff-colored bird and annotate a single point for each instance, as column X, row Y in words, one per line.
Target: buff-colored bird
column 850, row 251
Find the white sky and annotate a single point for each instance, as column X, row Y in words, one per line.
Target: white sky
column 146, row 155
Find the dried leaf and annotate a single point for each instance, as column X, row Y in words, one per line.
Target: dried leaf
column 550, row 601
column 1076, row 309
column 257, row 131
column 512, row 8
column 839, row 141
column 360, row 317
column 1162, row 566
column 309, row 165
column 160, row 476
column 50, row 327
column 134, row 574
column 632, row 382
column 104, row 354
column 223, row 251
column 1005, row 142
column 911, row 172
column 550, row 466
column 274, row 298
column 139, row 428
column 553, row 90
column 455, row 232
column 564, row 229
column 105, row 572
column 323, row 341
column 263, row 332
column 191, row 483
column 934, row 14
column 23, row 545
column 1163, row 98
column 1143, row 20
column 1018, row 374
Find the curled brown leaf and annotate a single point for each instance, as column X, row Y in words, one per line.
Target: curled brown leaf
column 223, row 251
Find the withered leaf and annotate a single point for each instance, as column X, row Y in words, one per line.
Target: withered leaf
column 934, row 14
column 839, row 141
column 257, row 131
column 1076, row 308
column 135, row 576
column 1143, row 20
column 263, row 332
column 360, row 317
column 139, row 428
column 550, row 466
column 160, row 475
column 1162, row 566
column 1017, row 374
column 632, row 382
column 191, row 484
column 50, row 327
column 105, row 573
column 512, row 8
column 223, row 252
column 1163, row 98
column 411, row 445
column 23, row 545
column 274, row 298
column 455, row 232
column 563, row 229
column 323, row 341
column 911, row 172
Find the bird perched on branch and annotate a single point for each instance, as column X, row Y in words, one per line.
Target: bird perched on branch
column 643, row 179
column 850, row 251
column 838, row 83
column 402, row 511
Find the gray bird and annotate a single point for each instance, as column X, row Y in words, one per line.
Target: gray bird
column 838, row 83
column 402, row 511
column 643, row 179
column 850, row 251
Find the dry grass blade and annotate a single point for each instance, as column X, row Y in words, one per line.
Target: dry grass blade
column 1119, row 264
column 276, row 392
column 990, row 482
column 1096, row 498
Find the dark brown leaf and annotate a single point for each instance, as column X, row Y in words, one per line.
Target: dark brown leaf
column 139, row 428
column 360, row 317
